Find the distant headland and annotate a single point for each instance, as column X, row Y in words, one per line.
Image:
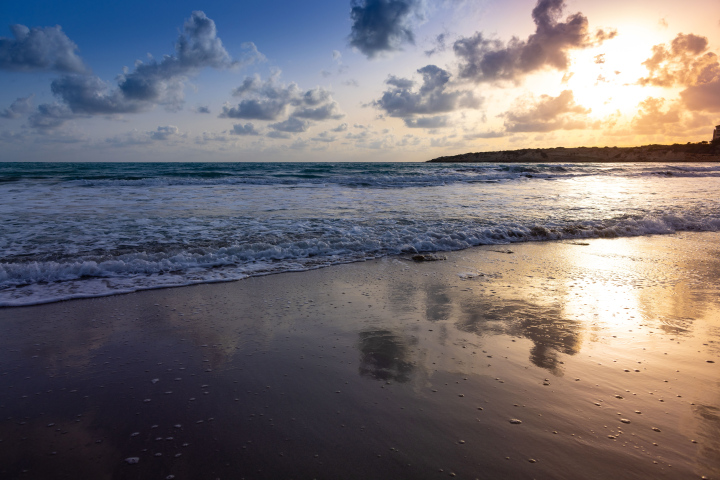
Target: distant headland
column 688, row 153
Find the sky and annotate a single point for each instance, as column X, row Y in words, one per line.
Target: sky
column 351, row 80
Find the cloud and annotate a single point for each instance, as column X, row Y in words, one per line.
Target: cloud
column 203, row 109
column 351, row 83
column 651, row 119
column 291, row 125
column 49, row 116
column 408, row 140
column 360, row 137
column 337, row 59
column 208, row 137
column 703, row 97
column 686, row 62
column 253, row 109
column 439, row 45
column 19, row 107
column 383, row 26
column 683, row 63
column 136, row 137
column 547, row 114
column 39, row 49
column 484, row 135
column 325, row 137
column 449, row 141
column 13, row 137
column 163, row 133
column 270, row 100
column 131, row 138
column 247, row 129
column 299, row 144
column 150, row 84
column 427, row 122
column 196, row 48
column 485, row 60
column 659, row 118
column 324, row 112
column 249, row 56
column 340, row 128
column 278, row 134
column 432, row 97
column 316, row 96
column 90, row 95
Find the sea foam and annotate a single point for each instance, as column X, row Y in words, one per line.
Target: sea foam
column 87, row 230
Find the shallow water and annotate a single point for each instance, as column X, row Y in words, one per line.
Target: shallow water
column 85, row 230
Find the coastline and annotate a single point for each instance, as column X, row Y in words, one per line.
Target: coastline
column 690, row 153
column 388, row 368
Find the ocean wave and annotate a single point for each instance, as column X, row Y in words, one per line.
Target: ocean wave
column 357, row 175
column 24, row 282
column 429, row 178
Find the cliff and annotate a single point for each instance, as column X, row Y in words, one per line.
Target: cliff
column 691, row 152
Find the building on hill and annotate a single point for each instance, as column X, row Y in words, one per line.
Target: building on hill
column 716, row 134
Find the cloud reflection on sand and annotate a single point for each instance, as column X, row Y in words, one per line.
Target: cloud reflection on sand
column 373, row 366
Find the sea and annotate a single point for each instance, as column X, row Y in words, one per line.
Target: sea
column 78, row 230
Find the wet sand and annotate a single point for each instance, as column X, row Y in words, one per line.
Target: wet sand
column 592, row 359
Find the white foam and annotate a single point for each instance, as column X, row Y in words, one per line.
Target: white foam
column 41, row 282
column 127, row 228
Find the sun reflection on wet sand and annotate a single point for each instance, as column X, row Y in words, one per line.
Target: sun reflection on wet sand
column 607, row 351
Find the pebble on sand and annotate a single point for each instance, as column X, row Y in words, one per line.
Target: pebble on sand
column 132, row 460
column 515, row 421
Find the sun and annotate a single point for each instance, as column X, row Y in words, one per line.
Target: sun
column 605, row 77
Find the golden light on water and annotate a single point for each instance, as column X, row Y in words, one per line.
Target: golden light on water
column 601, row 294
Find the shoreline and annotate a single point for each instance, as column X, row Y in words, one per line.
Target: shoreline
column 399, row 256
column 387, row 368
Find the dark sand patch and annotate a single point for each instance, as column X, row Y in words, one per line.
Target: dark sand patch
column 382, row 369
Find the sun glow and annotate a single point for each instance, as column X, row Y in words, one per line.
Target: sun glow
column 605, row 77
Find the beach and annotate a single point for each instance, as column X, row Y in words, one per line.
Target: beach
column 593, row 358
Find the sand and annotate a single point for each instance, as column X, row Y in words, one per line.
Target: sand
column 595, row 359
